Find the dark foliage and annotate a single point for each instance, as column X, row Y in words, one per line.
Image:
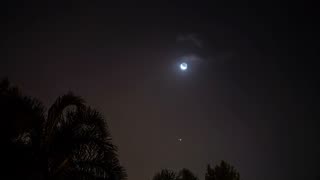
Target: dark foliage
column 165, row 174
column 69, row 141
column 224, row 171
column 184, row 174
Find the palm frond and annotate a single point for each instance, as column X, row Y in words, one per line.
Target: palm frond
column 66, row 143
column 21, row 113
column 56, row 110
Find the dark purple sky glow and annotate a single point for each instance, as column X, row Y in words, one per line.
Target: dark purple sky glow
column 248, row 96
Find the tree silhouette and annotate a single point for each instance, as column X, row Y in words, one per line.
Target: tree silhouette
column 224, row 171
column 165, row 174
column 186, row 174
column 18, row 115
column 69, row 141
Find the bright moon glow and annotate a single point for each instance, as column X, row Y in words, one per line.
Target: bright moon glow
column 183, row 66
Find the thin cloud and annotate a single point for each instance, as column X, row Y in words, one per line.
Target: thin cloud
column 191, row 38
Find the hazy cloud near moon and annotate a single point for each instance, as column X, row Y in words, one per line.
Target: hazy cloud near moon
column 192, row 45
column 195, row 50
column 190, row 58
column 190, row 38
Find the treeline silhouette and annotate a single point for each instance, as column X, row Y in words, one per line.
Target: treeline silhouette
column 68, row 141
column 223, row 171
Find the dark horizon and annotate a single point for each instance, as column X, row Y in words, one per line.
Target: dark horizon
column 249, row 95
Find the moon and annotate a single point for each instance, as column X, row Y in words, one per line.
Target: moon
column 183, row 66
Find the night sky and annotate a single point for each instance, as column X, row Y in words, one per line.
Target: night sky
column 249, row 95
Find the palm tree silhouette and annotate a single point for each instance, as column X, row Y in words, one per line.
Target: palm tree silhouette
column 69, row 141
